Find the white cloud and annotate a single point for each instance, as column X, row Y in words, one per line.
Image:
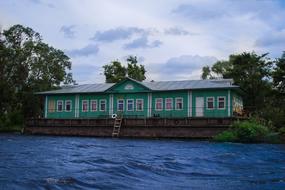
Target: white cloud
column 223, row 28
column 180, row 68
column 68, row 31
column 90, row 49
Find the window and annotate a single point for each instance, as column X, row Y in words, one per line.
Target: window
column 179, row 103
column 51, row 106
column 210, row 103
column 158, row 104
column 139, row 106
column 221, row 102
column 59, row 105
column 130, row 105
column 168, row 104
column 84, row 106
column 93, row 105
column 120, row 105
column 68, row 106
column 102, row 105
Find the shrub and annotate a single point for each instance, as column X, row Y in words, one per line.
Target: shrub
column 11, row 122
column 226, row 136
column 247, row 131
column 282, row 130
column 250, row 131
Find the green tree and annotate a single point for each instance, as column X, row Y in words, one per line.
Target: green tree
column 221, row 69
column 279, row 74
column 135, row 71
column 275, row 106
column 206, row 72
column 115, row 72
column 250, row 71
column 28, row 65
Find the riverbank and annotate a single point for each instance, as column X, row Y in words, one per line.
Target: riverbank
column 251, row 131
column 12, row 129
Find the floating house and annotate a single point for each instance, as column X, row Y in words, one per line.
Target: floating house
column 133, row 99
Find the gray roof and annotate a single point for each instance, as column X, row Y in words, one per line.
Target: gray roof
column 85, row 88
column 189, row 84
column 155, row 86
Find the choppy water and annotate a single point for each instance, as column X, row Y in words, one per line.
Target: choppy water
column 36, row 162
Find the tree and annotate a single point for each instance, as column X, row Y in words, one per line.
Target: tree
column 250, row 71
column 206, row 72
column 28, row 65
column 135, row 71
column 115, row 72
column 279, row 74
column 221, row 69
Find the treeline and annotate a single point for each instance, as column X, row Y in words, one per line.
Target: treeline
column 262, row 79
column 27, row 65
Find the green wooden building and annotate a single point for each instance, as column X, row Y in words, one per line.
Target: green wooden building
column 134, row 99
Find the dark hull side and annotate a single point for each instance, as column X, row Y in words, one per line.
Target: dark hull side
column 131, row 128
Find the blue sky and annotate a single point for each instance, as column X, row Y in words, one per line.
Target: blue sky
column 173, row 39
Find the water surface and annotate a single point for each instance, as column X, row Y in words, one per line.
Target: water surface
column 41, row 162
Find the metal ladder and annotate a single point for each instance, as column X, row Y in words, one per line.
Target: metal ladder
column 117, row 127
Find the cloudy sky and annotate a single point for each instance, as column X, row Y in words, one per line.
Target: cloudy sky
column 174, row 39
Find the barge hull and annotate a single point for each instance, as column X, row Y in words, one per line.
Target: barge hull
column 131, row 128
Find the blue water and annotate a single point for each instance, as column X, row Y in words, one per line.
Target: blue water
column 41, row 162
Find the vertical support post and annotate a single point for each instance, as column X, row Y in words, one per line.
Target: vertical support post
column 229, row 103
column 111, row 104
column 76, row 108
column 149, row 104
column 189, row 106
column 46, row 106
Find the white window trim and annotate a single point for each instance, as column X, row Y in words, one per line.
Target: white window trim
column 128, row 104
column 176, row 107
column 61, row 105
column 91, row 107
column 207, row 100
column 70, row 105
column 100, row 102
column 87, row 107
column 166, row 104
column 219, row 102
column 137, row 104
column 156, row 99
column 118, row 104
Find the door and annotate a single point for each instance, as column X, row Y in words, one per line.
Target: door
column 199, row 106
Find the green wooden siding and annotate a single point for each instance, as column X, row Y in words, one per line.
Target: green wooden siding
column 54, row 113
column 121, row 94
column 93, row 114
column 173, row 112
column 134, row 97
column 215, row 112
column 128, row 86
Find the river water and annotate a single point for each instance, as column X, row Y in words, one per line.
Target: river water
column 41, row 162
